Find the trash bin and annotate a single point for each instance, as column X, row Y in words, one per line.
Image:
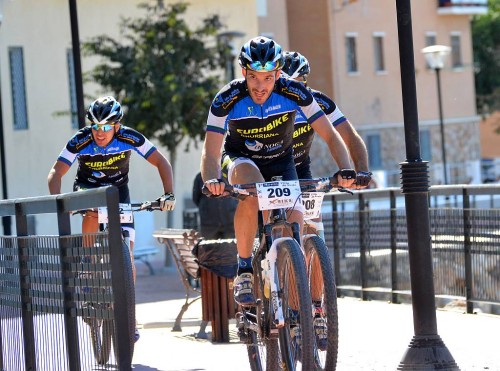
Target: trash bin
column 218, row 265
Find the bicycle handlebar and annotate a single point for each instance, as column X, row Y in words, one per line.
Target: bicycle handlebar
column 136, row 206
column 241, row 191
column 147, row 206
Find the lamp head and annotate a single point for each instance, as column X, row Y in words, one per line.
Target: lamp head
column 435, row 55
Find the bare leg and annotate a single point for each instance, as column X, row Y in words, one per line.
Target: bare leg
column 90, row 225
column 245, row 218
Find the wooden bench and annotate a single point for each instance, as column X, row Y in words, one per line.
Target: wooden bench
column 216, row 291
column 180, row 243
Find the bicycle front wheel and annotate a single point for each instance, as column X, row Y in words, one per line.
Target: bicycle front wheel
column 296, row 337
column 262, row 348
column 324, row 296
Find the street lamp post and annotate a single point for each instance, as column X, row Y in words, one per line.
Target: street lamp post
column 435, row 56
column 77, row 65
column 426, row 351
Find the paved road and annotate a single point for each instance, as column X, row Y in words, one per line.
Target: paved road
column 373, row 335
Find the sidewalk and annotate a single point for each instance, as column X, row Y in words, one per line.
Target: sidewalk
column 373, row 335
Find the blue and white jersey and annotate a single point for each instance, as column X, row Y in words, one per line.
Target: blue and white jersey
column 303, row 134
column 264, row 132
column 101, row 166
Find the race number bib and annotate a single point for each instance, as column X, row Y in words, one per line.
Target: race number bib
column 126, row 215
column 279, row 194
column 312, row 203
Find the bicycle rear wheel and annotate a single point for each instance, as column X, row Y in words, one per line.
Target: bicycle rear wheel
column 296, row 353
column 263, row 349
column 323, row 290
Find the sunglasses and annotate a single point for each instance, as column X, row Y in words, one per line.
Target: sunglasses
column 268, row 67
column 104, row 127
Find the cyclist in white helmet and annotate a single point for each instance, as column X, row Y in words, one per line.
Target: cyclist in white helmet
column 103, row 151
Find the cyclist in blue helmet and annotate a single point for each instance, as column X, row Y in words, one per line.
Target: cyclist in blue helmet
column 249, row 138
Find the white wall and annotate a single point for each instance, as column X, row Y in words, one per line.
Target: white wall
column 42, row 28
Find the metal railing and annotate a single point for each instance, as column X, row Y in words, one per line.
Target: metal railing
column 370, row 245
column 42, row 294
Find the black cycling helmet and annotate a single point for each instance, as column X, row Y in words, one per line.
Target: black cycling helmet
column 295, row 65
column 105, row 110
column 261, row 54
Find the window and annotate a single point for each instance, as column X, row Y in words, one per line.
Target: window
column 456, row 51
column 261, row 8
column 374, row 151
column 430, row 39
column 16, row 61
column 352, row 60
column 72, row 89
column 378, row 49
column 425, row 145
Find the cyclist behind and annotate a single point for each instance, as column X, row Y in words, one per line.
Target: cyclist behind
column 103, row 151
column 297, row 67
column 253, row 119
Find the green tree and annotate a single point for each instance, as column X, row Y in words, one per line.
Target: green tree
column 162, row 73
column 486, row 41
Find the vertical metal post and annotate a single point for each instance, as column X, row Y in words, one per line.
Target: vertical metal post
column 118, row 278
column 6, row 220
column 70, row 320
column 426, row 350
column 441, row 124
column 363, row 234
column 467, row 250
column 336, row 243
column 75, row 40
column 25, row 288
column 394, row 247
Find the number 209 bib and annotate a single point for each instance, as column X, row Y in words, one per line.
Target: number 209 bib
column 278, row 194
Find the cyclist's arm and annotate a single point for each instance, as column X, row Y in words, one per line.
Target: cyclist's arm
column 355, row 144
column 211, row 159
column 334, row 141
column 164, row 169
column 55, row 175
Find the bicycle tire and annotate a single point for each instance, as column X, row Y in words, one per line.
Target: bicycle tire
column 291, row 261
column 316, row 250
column 101, row 333
column 130, row 297
column 263, row 351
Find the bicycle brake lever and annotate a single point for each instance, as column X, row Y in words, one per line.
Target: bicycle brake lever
column 345, row 190
column 146, row 206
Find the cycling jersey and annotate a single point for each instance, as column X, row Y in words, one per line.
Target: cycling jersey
column 303, row 134
column 101, row 166
column 264, row 132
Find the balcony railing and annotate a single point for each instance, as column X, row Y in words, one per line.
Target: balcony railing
column 462, row 7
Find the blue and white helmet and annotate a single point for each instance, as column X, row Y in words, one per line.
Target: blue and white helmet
column 105, row 110
column 295, row 65
column 261, row 54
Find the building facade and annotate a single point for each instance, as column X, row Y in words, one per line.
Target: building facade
column 37, row 85
column 352, row 46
